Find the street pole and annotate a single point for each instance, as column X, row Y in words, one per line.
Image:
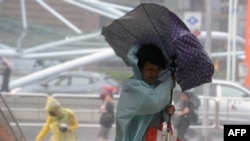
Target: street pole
column 24, row 23
column 206, row 90
column 24, row 15
column 234, row 33
column 229, row 40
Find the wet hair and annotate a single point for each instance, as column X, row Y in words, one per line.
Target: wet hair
column 150, row 53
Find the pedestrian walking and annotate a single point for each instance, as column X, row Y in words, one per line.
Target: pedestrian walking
column 6, row 73
column 61, row 122
column 182, row 115
column 107, row 117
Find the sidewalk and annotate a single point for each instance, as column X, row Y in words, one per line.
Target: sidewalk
column 90, row 134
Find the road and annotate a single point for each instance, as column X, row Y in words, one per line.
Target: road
column 29, row 109
column 90, row 133
column 83, row 133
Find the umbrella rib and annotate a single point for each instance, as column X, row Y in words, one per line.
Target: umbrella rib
column 173, row 69
column 156, row 29
column 128, row 30
column 172, row 61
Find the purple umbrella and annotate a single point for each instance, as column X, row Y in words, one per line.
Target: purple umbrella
column 153, row 23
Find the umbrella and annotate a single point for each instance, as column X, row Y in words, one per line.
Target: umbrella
column 7, row 62
column 153, row 23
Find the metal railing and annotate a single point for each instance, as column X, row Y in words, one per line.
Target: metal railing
column 28, row 109
column 7, row 118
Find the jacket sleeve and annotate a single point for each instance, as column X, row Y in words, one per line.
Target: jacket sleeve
column 44, row 131
column 73, row 123
column 138, row 98
column 132, row 59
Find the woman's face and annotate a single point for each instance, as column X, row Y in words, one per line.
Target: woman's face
column 54, row 112
column 183, row 97
column 150, row 72
column 108, row 98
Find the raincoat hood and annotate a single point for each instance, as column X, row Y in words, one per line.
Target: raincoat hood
column 133, row 60
column 52, row 104
column 140, row 105
column 64, row 116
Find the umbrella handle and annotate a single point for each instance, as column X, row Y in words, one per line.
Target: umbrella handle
column 171, row 94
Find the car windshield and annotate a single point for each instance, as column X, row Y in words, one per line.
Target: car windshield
column 229, row 91
column 62, row 81
column 222, row 90
column 200, row 89
column 111, row 81
column 82, row 80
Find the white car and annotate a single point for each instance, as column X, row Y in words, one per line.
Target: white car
column 229, row 103
column 70, row 82
column 230, row 99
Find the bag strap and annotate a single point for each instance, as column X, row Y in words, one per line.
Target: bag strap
column 169, row 127
column 160, row 127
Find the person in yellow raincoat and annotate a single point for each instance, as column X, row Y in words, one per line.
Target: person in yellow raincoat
column 60, row 121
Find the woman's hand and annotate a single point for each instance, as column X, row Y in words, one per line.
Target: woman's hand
column 170, row 109
column 178, row 113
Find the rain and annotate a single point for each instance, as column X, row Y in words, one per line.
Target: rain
column 57, row 48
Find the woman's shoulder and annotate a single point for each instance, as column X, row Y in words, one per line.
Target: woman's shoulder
column 69, row 111
column 132, row 82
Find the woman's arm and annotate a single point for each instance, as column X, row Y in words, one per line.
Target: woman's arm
column 73, row 123
column 138, row 98
column 44, row 131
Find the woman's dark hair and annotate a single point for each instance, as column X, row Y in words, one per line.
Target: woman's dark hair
column 151, row 53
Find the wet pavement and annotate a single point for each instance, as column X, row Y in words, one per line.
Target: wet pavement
column 90, row 133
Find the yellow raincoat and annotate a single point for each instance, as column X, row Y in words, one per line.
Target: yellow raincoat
column 53, row 123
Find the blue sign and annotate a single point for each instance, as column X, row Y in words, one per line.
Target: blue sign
column 192, row 20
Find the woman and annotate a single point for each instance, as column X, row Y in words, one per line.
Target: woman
column 144, row 100
column 6, row 77
column 60, row 121
column 182, row 116
column 107, row 117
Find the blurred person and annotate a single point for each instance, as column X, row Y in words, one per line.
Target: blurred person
column 107, row 115
column 107, row 90
column 38, row 65
column 181, row 117
column 144, row 100
column 6, row 75
column 60, row 121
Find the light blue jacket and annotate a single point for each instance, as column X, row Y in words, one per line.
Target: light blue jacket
column 140, row 105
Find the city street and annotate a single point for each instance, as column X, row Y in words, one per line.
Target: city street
column 90, row 133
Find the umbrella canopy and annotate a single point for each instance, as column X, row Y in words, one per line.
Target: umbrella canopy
column 153, row 23
column 7, row 62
